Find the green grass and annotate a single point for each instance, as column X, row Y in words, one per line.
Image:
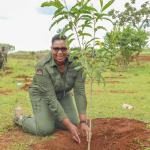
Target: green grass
column 105, row 103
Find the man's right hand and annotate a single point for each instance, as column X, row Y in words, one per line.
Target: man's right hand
column 73, row 129
column 75, row 133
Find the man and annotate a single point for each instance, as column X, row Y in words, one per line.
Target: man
column 4, row 54
column 1, row 59
column 52, row 103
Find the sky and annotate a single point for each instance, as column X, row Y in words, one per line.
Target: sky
column 25, row 24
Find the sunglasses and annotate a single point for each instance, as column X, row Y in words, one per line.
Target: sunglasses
column 63, row 49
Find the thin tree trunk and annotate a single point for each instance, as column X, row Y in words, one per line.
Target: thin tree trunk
column 90, row 120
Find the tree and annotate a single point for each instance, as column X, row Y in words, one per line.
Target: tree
column 127, row 43
column 138, row 18
column 81, row 23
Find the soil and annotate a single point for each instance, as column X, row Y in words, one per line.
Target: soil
column 113, row 81
column 143, row 58
column 122, row 91
column 5, row 91
column 26, row 81
column 114, row 91
column 14, row 136
column 108, row 134
column 116, row 77
column 26, row 86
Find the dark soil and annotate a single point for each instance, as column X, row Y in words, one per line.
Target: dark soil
column 108, row 134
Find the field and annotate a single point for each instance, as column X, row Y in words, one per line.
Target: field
column 122, row 87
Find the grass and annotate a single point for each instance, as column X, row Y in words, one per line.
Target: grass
column 105, row 103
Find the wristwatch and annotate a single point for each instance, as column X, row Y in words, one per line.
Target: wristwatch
column 83, row 121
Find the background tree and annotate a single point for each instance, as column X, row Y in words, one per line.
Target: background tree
column 127, row 43
column 138, row 18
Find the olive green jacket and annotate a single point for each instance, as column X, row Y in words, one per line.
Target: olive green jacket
column 49, row 84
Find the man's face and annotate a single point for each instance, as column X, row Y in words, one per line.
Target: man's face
column 59, row 50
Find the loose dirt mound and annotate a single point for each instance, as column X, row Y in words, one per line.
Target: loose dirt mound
column 108, row 134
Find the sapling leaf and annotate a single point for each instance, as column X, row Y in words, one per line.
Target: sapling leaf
column 101, row 3
column 107, row 5
column 56, row 22
column 55, row 3
column 100, row 27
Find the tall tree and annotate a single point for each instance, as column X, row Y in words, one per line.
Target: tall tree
column 137, row 17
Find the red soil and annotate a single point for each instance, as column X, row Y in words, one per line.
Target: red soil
column 26, row 79
column 143, row 58
column 26, row 86
column 15, row 136
column 108, row 134
column 5, row 91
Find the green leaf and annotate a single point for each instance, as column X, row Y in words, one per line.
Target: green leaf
column 101, row 3
column 107, row 5
column 55, row 3
column 56, row 22
column 84, row 34
column 59, row 12
column 69, row 36
column 65, row 29
column 92, row 40
column 100, row 27
column 78, row 68
column 104, row 18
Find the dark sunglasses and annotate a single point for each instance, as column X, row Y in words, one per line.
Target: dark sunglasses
column 63, row 49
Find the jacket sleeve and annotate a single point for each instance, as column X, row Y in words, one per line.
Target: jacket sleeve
column 79, row 93
column 45, row 88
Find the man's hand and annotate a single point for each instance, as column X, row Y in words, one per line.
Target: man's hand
column 85, row 130
column 75, row 133
column 73, row 129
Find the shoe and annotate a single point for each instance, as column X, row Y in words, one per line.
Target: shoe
column 18, row 115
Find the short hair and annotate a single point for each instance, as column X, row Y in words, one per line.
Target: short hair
column 58, row 37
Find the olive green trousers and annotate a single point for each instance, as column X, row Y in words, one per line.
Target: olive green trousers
column 43, row 123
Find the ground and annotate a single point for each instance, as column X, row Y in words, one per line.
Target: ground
column 129, row 87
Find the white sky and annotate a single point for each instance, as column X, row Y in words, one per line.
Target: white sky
column 24, row 24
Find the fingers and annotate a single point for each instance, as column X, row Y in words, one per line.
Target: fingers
column 77, row 136
column 77, row 139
